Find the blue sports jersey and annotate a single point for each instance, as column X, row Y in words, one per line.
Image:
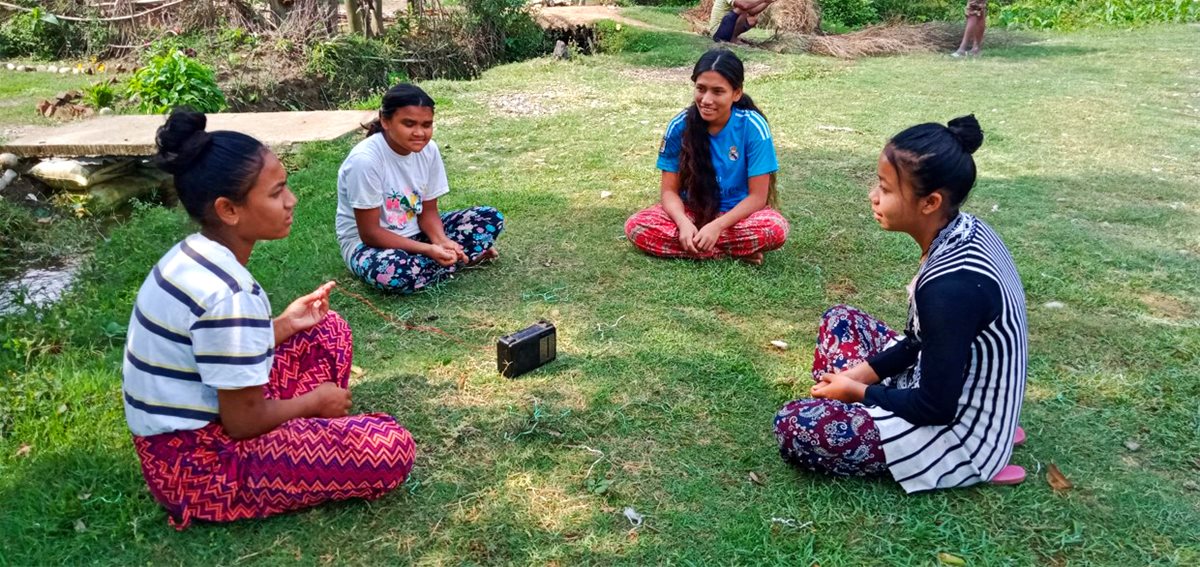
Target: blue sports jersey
column 741, row 150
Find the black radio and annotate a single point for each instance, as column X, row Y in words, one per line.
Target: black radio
column 526, row 349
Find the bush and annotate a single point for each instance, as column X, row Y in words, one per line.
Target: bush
column 170, row 79
column 35, row 34
column 612, row 37
column 353, row 66
column 848, row 13
column 438, row 48
column 508, row 27
column 100, row 95
column 40, row 35
column 1074, row 14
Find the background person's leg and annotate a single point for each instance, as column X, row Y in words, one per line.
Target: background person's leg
column 830, row 437
column 847, row 337
column 654, row 232
column 396, row 271
column 728, row 25
column 764, row 230
column 312, row 357
column 475, row 229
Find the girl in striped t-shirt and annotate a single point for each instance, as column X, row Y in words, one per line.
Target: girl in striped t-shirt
column 936, row 407
column 235, row 414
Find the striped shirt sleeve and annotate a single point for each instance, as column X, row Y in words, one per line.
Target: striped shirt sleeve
column 233, row 342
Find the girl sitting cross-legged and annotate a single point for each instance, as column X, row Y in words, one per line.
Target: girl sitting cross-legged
column 234, row 414
column 936, row 407
column 718, row 175
column 391, row 233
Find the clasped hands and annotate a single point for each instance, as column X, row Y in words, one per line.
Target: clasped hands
column 848, row 386
column 447, row 252
column 697, row 241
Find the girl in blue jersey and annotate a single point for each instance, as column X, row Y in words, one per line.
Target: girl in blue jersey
column 718, row 175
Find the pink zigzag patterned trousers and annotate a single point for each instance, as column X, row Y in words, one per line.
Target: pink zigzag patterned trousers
column 206, row 475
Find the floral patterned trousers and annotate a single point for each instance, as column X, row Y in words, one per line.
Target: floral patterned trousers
column 397, row 271
column 829, row 436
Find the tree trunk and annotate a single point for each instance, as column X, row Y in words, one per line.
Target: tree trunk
column 353, row 17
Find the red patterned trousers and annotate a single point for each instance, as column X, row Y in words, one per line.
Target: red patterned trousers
column 206, row 475
column 653, row 232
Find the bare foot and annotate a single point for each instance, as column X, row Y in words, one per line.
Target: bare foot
column 755, row 259
column 487, row 256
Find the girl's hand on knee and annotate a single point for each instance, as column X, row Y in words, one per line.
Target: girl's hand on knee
column 687, row 237
column 330, row 401
column 442, row 255
column 839, row 387
column 707, row 237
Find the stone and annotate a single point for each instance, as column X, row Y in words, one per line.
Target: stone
column 1054, row 305
column 7, row 178
column 10, row 161
column 110, row 195
column 75, row 71
column 64, row 70
column 80, row 174
column 22, row 68
column 52, row 69
column 779, row 344
column 561, row 51
column 105, row 111
column 41, row 68
column 10, row 67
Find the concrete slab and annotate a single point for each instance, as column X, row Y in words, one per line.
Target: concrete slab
column 134, row 135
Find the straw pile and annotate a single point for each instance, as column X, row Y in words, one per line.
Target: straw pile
column 889, row 39
column 787, row 16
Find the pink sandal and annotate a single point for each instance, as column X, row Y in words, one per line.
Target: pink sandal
column 1009, row 475
column 1012, row 474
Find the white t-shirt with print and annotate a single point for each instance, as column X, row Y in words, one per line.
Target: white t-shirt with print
column 375, row 176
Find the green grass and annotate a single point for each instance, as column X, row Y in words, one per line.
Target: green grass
column 23, row 91
column 663, row 396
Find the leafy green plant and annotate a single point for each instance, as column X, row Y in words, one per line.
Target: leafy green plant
column 173, row 79
column 100, row 95
column 1072, row 14
column 509, row 27
column 352, row 65
column 36, row 33
column 849, row 13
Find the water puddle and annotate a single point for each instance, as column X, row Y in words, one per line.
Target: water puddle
column 38, row 287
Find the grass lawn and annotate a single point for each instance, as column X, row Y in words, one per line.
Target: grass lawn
column 666, row 385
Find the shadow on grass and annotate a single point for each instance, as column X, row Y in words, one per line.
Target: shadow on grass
column 1033, row 51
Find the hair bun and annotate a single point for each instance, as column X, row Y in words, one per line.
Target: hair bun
column 966, row 130
column 181, row 140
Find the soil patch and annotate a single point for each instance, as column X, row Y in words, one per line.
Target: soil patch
column 566, row 17
column 754, row 70
column 1168, row 307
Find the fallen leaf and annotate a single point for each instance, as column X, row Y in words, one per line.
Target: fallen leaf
column 23, row 450
column 85, row 495
column 62, row 409
column 779, row 344
column 1057, row 480
column 80, row 527
column 1132, row 445
column 553, row 433
column 605, row 194
column 756, row 479
column 948, row 559
column 357, row 372
column 633, row 535
column 45, row 220
column 1054, row 305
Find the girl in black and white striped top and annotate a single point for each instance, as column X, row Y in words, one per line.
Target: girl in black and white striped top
column 937, row 406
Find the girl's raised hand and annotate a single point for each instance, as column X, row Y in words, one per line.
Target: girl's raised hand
column 307, row 310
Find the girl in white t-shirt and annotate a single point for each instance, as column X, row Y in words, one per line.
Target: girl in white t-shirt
column 391, row 233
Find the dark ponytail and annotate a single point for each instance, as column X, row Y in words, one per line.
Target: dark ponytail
column 938, row 158
column 697, row 176
column 397, row 97
column 206, row 165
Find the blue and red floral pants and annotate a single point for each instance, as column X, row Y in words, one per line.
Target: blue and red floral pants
column 397, row 271
column 829, row 436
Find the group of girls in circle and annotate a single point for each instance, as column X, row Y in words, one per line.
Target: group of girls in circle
column 237, row 414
